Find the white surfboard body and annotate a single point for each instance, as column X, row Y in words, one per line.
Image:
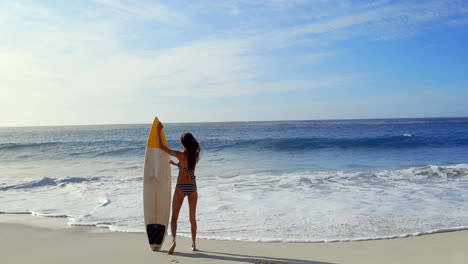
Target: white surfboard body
column 156, row 189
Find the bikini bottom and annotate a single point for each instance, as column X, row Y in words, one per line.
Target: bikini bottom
column 187, row 189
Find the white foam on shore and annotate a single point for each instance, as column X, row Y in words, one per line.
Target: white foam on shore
column 53, row 222
column 308, row 206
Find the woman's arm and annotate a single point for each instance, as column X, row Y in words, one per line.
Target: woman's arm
column 169, row 151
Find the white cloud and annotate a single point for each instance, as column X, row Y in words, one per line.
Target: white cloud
column 76, row 61
column 150, row 11
column 50, row 61
column 231, row 9
column 381, row 21
column 315, row 57
column 275, row 4
column 458, row 22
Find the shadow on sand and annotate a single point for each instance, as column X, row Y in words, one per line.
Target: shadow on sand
column 244, row 258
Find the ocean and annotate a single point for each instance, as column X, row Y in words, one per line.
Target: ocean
column 300, row 181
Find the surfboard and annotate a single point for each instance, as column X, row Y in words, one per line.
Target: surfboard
column 156, row 188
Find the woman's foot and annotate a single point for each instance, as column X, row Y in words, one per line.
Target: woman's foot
column 194, row 247
column 171, row 250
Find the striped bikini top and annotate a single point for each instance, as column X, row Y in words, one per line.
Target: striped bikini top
column 189, row 171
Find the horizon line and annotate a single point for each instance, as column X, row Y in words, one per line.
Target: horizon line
column 234, row 121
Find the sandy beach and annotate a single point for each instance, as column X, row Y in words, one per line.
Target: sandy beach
column 27, row 238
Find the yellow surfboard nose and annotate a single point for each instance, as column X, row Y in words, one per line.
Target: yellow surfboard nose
column 153, row 141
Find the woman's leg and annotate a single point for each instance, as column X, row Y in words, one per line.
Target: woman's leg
column 176, row 204
column 192, row 199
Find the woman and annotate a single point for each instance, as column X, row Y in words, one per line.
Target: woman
column 186, row 183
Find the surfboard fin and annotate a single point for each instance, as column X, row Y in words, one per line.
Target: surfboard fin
column 156, row 234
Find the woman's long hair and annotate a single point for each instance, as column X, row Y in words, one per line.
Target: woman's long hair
column 193, row 148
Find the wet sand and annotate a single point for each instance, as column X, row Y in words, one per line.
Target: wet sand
column 33, row 239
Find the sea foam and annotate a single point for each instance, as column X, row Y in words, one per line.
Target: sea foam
column 301, row 206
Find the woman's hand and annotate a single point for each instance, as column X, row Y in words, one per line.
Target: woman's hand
column 173, row 163
column 160, row 126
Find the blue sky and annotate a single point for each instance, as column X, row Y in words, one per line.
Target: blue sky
column 116, row 61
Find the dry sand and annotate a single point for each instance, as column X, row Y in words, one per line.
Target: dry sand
column 32, row 239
